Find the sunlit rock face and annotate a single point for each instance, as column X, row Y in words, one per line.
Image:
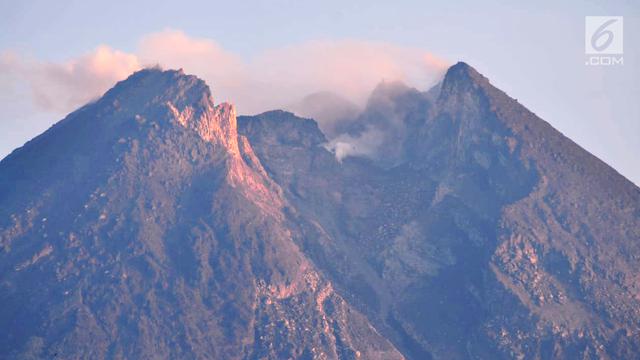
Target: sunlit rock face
column 448, row 224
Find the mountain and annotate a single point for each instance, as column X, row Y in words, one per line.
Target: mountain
column 448, row 224
column 143, row 226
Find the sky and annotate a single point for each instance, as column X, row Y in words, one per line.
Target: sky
column 57, row 55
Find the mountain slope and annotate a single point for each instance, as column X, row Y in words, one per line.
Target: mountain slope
column 134, row 228
column 496, row 235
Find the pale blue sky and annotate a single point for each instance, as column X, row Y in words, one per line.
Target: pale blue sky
column 534, row 52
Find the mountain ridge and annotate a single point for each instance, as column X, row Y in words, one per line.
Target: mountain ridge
column 153, row 223
column 140, row 266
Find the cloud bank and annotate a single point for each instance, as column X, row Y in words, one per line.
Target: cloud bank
column 272, row 79
column 61, row 87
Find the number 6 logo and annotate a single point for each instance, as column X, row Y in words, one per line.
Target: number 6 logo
column 600, row 32
column 603, row 34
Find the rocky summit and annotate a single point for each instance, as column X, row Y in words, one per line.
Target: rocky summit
column 447, row 224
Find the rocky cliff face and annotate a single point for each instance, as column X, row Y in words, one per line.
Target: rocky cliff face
column 154, row 224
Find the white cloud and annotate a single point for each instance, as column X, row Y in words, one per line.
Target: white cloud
column 61, row 87
column 365, row 144
column 273, row 79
